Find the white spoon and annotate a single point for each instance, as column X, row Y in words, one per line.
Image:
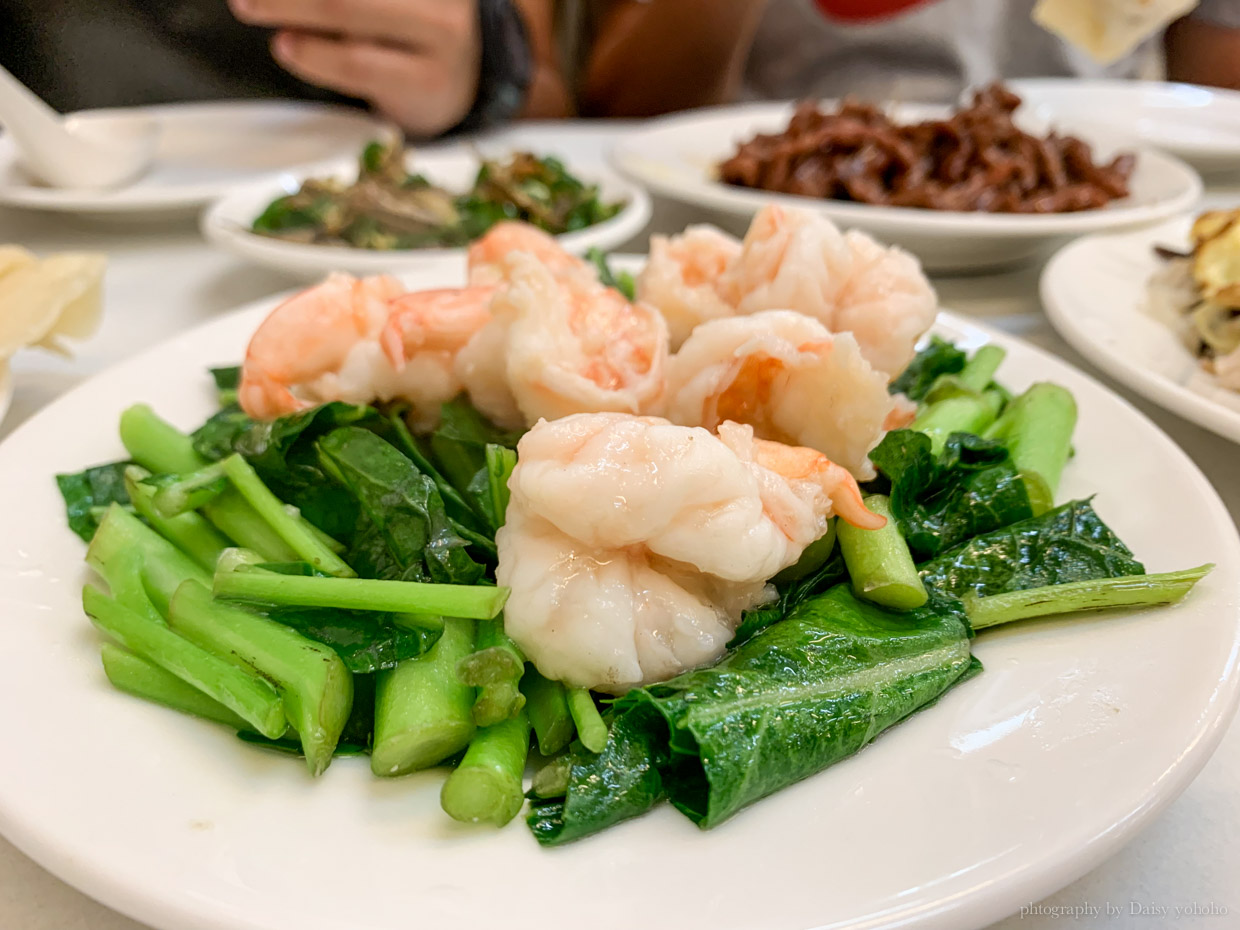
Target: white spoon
column 73, row 153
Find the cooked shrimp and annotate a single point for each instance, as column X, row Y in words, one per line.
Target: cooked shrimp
column 680, row 277
column 632, row 545
column 361, row 341
column 557, row 346
column 798, row 260
column 789, row 378
column 486, row 255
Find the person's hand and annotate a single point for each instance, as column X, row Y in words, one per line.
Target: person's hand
column 416, row 61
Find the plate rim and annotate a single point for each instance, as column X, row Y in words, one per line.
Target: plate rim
column 625, row 155
column 181, row 198
column 1154, row 386
column 222, row 230
column 988, row 902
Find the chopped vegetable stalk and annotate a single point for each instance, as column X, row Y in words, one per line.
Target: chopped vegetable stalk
column 486, row 786
column 813, row 557
column 316, row 686
column 473, row 602
column 500, row 462
column 124, row 546
column 176, row 494
column 142, row 678
column 330, row 542
column 292, row 529
column 163, row 449
column 494, row 668
column 236, row 558
column 1037, row 430
column 248, row 696
column 962, row 414
column 591, row 729
column 191, row 532
column 1074, row 596
column 423, row 712
column 546, row 702
column 980, row 370
column 551, row 781
column 879, row 562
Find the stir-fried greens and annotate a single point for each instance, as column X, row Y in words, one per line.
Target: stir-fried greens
column 388, row 207
column 324, row 583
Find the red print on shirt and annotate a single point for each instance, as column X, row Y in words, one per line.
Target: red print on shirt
column 861, row 10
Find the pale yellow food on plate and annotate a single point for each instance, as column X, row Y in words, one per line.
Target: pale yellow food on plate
column 43, row 301
column 1107, row 30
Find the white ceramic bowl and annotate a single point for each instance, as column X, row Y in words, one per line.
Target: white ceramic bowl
column 227, row 222
column 1017, row 782
column 1095, row 295
column 676, row 156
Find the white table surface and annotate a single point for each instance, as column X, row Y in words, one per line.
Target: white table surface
column 163, row 279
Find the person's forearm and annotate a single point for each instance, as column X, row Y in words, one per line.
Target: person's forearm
column 655, row 57
column 547, row 96
column 1203, row 52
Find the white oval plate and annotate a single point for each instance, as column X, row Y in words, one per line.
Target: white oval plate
column 676, row 156
column 1011, row 786
column 1199, row 124
column 204, row 150
column 1094, row 291
column 227, row 223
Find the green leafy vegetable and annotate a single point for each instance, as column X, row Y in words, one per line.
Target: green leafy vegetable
column 227, row 381
column 623, row 282
column 88, row 493
column 940, row 357
column 970, row 488
column 794, row 699
column 1069, row 543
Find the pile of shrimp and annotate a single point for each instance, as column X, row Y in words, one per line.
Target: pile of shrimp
column 684, row 447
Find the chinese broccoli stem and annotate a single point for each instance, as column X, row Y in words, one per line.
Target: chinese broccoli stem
column 176, row 494
column 1037, row 430
column 190, row 532
column 879, row 562
column 124, row 545
column 551, row 781
column 423, row 712
column 960, row 414
column 473, row 602
column 1074, row 596
column 500, row 462
column 591, row 729
column 494, row 668
column 142, row 678
column 250, row 697
column 546, row 703
column 160, row 447
column 292, row 529
column 980, row 370
column 316, row 685
column 486, row 786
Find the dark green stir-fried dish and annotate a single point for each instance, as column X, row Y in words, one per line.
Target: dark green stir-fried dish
column 325, row 584
column 388, row 207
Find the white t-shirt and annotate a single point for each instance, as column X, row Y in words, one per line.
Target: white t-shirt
column 929, row 53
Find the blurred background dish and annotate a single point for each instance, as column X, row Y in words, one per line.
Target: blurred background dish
column 1198, row 124
column 1096, row 293
column 229, row 222
column 678, row 156
column 204, row 150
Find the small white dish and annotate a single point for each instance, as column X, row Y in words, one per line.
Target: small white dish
column 1014, row 784
column 1199, row 124
column 676, row 156
column 1095, row 294
column 227, row 222
column 204, row 150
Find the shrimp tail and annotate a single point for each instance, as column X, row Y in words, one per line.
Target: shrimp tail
column 846, row 499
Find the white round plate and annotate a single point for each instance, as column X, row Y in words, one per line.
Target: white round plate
column 1199, row 124
column 227, row 223
column 204, row 150
column 1095, row 295
column 1011, row 786
column 6, row 388
column 676, row 156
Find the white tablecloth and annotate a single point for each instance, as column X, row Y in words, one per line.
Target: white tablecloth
column 163, row 279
